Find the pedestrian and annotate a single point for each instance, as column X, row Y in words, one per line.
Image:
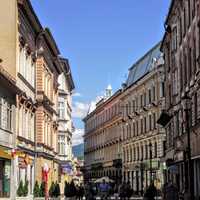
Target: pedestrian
column 128, row 190
column 80, row 192
column 150, row 192
column 122, row 191
column 104, row 189
column 171, row 192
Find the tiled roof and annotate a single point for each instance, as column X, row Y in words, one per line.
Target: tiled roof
column 143, row 65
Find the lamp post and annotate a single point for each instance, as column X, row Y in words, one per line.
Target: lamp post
column 150, row 151
column 189, row 175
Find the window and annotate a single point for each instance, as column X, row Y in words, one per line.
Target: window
column 185, row 67
column 194, row 56
column 142, row 153
column 195, row 108
column 189, row 64
column 61, row 144
column 137, row 128
column 27, row 66
column 181, row 75
column 150, row 127
column 61, row 110
column 177, row 124
column 131, row 155
column 134, row 106
column 138, row 153
column 141, row 100
column 189, row 13
column 193, row 8
column 146, row 151
column 9, row 117
column 154, row 93
column 174, row 39
column 180, row 30
column 145, row 97
column 145, row 124
column 154, row 120
column 162, row 89
column 126, row 109
column 141, row 125
column 155, row 149
column 47, row 83
column 175, row 83
column 134, row 129
column 149, row 96
column 185, row 25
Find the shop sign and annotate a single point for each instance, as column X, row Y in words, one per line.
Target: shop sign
column 24, row 160
column 21, row 162
column 5, row 154
column 66, row 168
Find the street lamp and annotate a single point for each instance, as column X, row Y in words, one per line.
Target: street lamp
column 189, row 175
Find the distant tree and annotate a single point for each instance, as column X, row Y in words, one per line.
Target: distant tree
column 20, row 189
column 42, row 189
column 36, row 191
column 52, row 189
column 25, row 189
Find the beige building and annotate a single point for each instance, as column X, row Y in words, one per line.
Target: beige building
column 31, row 57
column 143, row 140
column 8, row 92
column 102, row 139
column 18, row 31
column 181, row 48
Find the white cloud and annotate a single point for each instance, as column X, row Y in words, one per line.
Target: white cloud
column 77, row 137
column 80, row 109
column 76, row 94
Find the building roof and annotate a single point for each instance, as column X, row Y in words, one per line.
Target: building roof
column 67, row 72
column 143, row 65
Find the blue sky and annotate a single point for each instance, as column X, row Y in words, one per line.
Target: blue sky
column 101, row 39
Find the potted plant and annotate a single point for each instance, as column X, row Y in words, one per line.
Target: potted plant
column 22, row 190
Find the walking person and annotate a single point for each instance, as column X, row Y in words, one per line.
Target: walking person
column 122, row 191
column 104, row 189
column 80, row 192
column 170, row 192
column 128, row 190
column 150, row 192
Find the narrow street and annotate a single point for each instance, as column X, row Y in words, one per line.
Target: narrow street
column 99, row 100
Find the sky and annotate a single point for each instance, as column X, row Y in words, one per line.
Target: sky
column 102, row 39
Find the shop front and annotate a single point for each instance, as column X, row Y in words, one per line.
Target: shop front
column 65, row 174
column 5, row 172
column 25, row 171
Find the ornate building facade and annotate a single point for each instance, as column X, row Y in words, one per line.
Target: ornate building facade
column 143, row 140
column 8, row 92
column 65, row 128
column 102, row 139
column 31, row 57
column 48, row 68
column 181, row 48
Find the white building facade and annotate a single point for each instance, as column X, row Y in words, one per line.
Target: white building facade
column 65, row 128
